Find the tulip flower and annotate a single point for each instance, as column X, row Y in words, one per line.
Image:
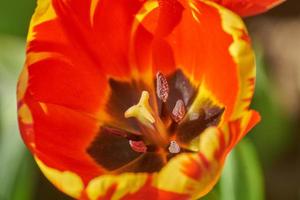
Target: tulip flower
column 137, row 99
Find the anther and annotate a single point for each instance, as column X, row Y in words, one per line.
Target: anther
column 162, row 87
column 142, row 110
column 174, row 147
column 178, row 111
column 138, row 146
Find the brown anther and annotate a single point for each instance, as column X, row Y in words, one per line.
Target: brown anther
column 138, row 146
column 174, row 147
column 162, row 87
column 178, row 111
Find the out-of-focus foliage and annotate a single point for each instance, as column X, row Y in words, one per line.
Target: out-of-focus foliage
column 242, row 176
column 274, row 130
column 13, row 160
column 15, row 16
column 17, row 171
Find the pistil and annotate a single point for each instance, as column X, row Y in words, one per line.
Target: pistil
column 142, row 111
column 151, row 129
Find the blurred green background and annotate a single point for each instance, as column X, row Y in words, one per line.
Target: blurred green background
column 265, row 165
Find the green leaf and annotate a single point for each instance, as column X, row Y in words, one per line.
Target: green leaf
column 15, row 16
column 26, row 181
column 242, row 176
column 213, row 195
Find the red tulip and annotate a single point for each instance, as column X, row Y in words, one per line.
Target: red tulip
column 134, row 99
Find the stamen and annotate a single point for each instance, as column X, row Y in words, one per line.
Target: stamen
column 142, row 111
column 174, row 147
column 178, row 111
column 123, row 133
column 138, row 146
column 162, row 87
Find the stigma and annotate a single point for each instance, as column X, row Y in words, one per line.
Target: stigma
column 142, row 111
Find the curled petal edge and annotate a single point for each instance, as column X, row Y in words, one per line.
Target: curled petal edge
column 246, row 8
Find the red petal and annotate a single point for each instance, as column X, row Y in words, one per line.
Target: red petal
column 73, row 84
column 249, row 7
column 82, row 43
column 59, row 137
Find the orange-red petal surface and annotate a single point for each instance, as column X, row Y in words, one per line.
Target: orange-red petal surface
column 59, row 136
column 74, row 46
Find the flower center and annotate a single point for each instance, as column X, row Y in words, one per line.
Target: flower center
column 147, row 126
